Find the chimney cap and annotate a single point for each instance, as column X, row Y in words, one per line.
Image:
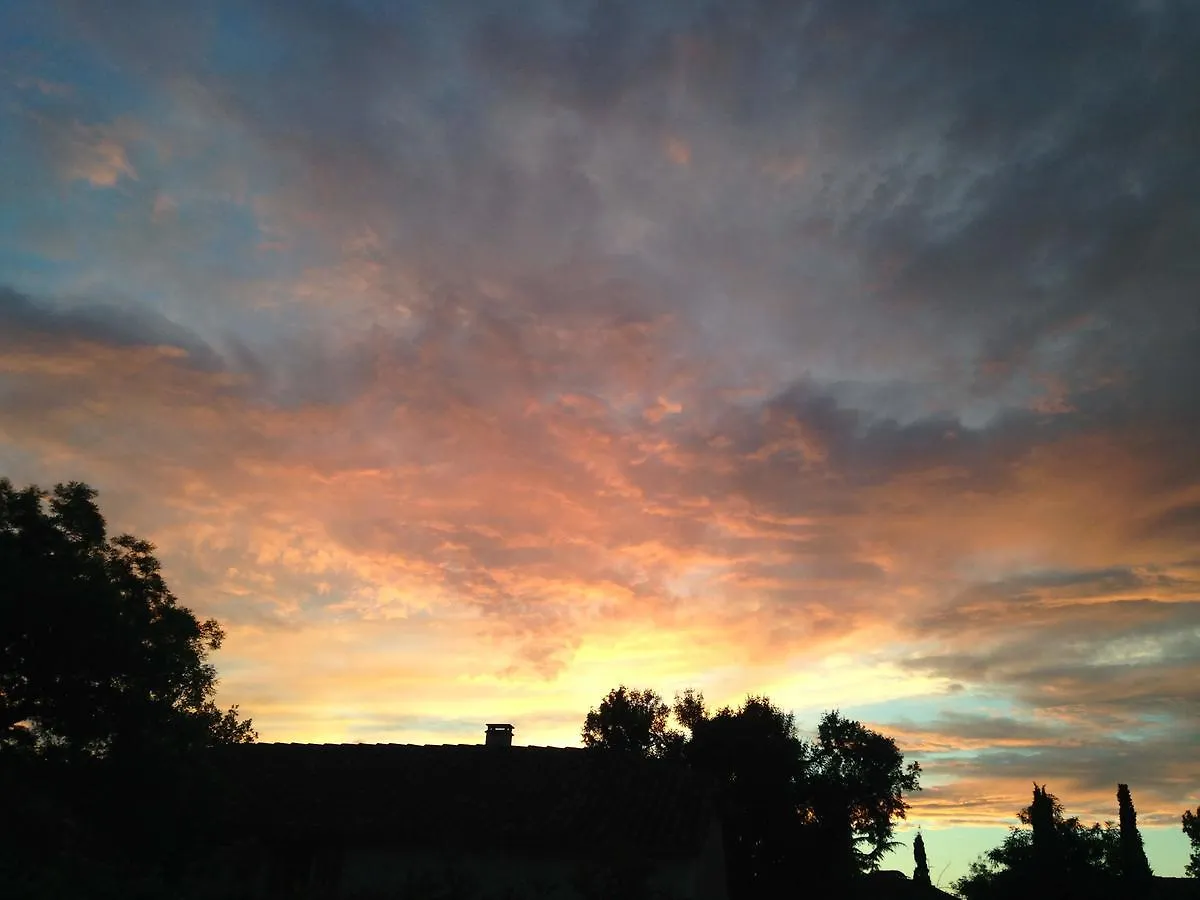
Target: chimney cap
column 498, row 735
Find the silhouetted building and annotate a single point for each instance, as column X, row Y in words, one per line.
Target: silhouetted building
column 492, row 820
column 889, row 884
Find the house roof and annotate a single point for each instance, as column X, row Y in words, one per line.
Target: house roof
column 890, row 884
column 512, row 800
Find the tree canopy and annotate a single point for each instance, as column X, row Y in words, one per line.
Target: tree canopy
column 829, row 805
column 855, row 782
column 106, row 706
column 96, row 653
column 630, row 721
column 753, row 751
column 1053, row 852
column 1191, row 828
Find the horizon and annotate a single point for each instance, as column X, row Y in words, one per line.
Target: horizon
column 466, row 360
column 952, row 847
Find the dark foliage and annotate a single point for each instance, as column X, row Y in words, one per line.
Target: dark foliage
column 1054, row 855
column 1134, row 863
column 689, row 709
column 827, row 807
column 628, row 721
column 1044, row 817
column 921, row 870
column 1191, row 827
column 754, row 753
column 106, row 706
column 853, row 789
column 97, row 657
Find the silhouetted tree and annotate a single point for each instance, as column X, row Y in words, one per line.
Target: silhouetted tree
column 689, row 709
column 106, row 702
column 853, row 790
column 1134, row 863
column 784, row 803
column 1191, row 828
column 95, row 651
column 1044, row 814
column 1052, row 854
column 921, row 871
column 630, row 721
column 755, row 754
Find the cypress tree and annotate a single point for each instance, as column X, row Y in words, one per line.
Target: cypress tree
column 1133, row 855
column 921, row 872
column 1041, row 818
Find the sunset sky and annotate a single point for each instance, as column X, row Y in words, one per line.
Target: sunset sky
column 466, row 359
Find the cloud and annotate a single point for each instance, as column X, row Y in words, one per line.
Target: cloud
column 24, row 320
column 98, row 154
column 691, row 342
column 101, row 162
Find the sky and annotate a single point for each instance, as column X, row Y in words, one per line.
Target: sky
column 466, row 359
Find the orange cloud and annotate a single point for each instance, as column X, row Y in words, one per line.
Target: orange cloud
column 678, row 151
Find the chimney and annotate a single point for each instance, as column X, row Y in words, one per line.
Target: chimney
column 499, row 736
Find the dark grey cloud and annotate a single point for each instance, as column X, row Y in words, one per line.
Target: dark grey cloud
column 955, row 727
column 1126, row 658
column 977, row 178
column 1081, row 766
column 1179, row 521
column 24, row 320
column 294, row 371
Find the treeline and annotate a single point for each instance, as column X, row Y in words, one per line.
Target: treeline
column 1053, row 855
column 818, row 813
column 821, row 814
column 106, row 710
